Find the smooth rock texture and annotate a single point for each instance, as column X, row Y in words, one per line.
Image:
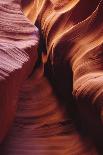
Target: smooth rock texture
column 41, row 125
column 59, row 101
column 72, row 33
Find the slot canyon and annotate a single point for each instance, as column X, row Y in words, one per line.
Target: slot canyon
column 51, row 77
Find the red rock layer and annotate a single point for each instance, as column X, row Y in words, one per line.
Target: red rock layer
column 18, row 54
column 72, row 53
column 73, row 36
column 72, row 32
column 41, row 125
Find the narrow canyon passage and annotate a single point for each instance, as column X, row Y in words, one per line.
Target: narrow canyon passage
column 51, row 77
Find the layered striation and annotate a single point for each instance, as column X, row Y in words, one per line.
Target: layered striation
column 18, row 54
column 58, row 103
column 76, row 40
column 72, row 34
column 41, row 125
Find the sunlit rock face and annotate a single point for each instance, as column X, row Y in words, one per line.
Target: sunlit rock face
column 52, row 83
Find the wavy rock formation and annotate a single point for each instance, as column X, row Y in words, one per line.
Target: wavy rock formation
column 57, row 105
column 18, row 54
column 72, row 32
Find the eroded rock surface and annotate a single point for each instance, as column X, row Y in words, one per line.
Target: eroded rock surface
column 18, row 54
column 59, row 106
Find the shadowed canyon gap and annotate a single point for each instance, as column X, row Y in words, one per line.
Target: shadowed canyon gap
column 51, row 77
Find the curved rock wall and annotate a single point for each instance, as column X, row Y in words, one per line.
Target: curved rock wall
column 60, row 103
column 18, row 54
column 72, row 32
